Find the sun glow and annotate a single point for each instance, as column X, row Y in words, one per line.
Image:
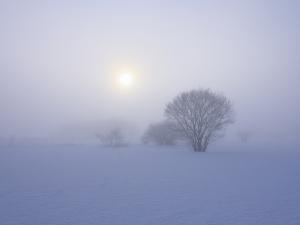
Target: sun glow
column 125, row 80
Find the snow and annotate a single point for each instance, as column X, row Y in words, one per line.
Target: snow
column 90, row 185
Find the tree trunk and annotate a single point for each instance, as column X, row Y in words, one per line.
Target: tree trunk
column 198, row 147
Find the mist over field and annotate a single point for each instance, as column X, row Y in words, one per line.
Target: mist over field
column 127, row 112
column 59, row 60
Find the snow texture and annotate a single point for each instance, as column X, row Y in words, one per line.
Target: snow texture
column 81, row 185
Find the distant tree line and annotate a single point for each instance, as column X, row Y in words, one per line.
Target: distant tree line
column 198, row 116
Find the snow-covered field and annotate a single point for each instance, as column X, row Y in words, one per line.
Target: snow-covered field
column 147, row 186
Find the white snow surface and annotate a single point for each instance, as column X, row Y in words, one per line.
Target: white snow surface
column 89, row 185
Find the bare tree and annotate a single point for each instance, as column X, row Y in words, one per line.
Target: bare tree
column 162, row 133
column 244, row 135
column 114, row 133
column 112, row 138
column 201, row 115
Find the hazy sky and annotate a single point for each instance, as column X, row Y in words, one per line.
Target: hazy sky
column 59, row 59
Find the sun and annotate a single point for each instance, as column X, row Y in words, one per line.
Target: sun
column 125, row 80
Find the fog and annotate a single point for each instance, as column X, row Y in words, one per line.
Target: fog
column 59, row 60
